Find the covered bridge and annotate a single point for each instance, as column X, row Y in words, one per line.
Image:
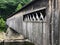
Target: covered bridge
column 38, row 21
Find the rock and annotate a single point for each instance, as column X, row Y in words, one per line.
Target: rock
column 2, row 36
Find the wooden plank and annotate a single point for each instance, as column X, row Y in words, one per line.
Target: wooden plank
column 59, row 20
column 55, row 18
column 37, row 33
column 28, row 30
column 18, row 24
column 44, row 35
column 35, row 10
column 34, row 32
column 31, row 31
column 24, row 29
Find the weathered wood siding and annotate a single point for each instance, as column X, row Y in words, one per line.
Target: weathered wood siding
column 16, row 22
column 58, row 9
column 36, row 5
column 54, row 23
column 37, row 32
column 46, row 33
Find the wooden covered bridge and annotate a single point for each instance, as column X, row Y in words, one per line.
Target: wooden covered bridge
column 38, row 21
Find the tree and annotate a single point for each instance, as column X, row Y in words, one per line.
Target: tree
column 7, row 7
column 19, row 7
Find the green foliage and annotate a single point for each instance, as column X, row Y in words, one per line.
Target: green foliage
column 2, row 24
column 21, row 3
column 26, row 1
column 18, row 7
column 7, row 7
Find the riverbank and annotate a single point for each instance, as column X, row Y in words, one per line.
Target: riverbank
column 2, row 36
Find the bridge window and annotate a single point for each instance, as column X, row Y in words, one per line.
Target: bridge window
column 35, row 16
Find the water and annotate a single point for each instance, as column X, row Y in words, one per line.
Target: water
column 16, row 43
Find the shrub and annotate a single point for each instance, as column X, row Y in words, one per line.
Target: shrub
column 2, row 24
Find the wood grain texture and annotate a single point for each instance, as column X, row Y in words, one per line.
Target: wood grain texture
column 40, row 33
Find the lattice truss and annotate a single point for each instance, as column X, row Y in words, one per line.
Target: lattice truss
column 35, row 16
